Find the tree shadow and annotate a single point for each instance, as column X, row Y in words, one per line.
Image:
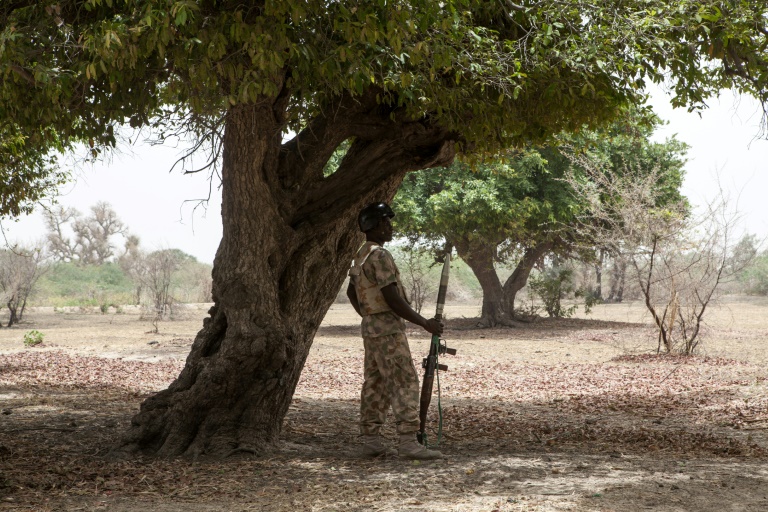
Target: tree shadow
column 55, row 448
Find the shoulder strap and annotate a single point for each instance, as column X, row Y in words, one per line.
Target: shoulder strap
column 357, row 267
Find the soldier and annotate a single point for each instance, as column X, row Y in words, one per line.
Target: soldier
column 377, row 295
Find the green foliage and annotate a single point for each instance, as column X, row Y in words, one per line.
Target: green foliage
column 551, row 286
column 495, row 210
column 524, row 199
column 69, row 284
column 625, row 146
column 33, row 338
column 495, row 72
column 28, row 169
column 498, row 201
column 103, row 286
column 754, row 278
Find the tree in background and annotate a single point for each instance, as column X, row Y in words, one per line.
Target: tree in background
column 93, row 236
column 160, row 268
column 158, row 273
column 499, row 212
column 20, row 268
column 132, row 264
column 406, row 82
column 519, row 210
column 754, row 278
column 624, row 145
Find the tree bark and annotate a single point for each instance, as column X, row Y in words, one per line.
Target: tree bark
column 519, row 277
column 480, row 258
column 599, row 275
column 12, row 309
column 289, row 235
column 618, row 278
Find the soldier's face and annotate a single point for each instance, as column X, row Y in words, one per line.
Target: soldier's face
column 385, row 229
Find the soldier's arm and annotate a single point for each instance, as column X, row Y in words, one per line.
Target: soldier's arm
column 352, row 295
column 404, row 310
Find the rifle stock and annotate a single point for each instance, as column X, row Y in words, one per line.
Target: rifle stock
column 430, row 363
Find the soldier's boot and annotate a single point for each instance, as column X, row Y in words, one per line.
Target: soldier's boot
column 412, row 450
column 373, row 446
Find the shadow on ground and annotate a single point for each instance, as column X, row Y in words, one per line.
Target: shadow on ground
column 54, row 446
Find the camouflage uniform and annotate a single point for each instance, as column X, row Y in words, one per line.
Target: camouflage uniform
column 390, row 377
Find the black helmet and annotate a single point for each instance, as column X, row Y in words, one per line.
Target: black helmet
column 370, row 216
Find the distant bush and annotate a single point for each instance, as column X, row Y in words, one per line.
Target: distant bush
column 70, row 284
column 551, row 286
column 102, row 286
column 33, row 338
column 192, row 282
column 754, row 278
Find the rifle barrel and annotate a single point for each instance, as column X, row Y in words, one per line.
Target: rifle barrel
column 430, row 362
column 441, row 292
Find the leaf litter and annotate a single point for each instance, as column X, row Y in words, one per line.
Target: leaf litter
column 519, row 435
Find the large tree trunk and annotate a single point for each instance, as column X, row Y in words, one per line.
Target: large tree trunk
column 480, row 258
column 519, row 277
column 289, row 235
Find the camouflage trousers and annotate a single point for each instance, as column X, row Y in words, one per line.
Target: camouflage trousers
column 390, row 379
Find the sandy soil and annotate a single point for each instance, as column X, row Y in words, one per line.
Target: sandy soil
column 555, row 415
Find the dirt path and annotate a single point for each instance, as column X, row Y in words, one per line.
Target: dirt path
column 567, row 415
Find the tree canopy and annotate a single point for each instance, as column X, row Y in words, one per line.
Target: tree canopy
column 496, row 72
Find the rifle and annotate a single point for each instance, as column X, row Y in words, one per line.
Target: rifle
column 430, row 363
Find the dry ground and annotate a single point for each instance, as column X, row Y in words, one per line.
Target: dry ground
column 556, row 415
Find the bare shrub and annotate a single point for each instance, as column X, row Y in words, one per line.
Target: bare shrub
column 20, row 268
column 416, row 276
column 677, row 259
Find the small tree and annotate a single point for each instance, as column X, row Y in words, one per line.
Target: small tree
column 415, row 278
column 159, row 269
column 133, row 265
column 20, row 268
column 551, row 286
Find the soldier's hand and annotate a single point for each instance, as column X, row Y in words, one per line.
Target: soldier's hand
column 434, row 326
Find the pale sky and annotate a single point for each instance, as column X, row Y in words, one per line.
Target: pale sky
column 723, row 147
column 152, row 201
column 155, row 204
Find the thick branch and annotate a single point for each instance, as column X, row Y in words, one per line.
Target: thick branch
column 303, row 158
column 23, row 73
column 409, row 147
column 519, row 277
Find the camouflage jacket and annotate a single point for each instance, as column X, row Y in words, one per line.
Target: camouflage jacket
column 373, row 269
